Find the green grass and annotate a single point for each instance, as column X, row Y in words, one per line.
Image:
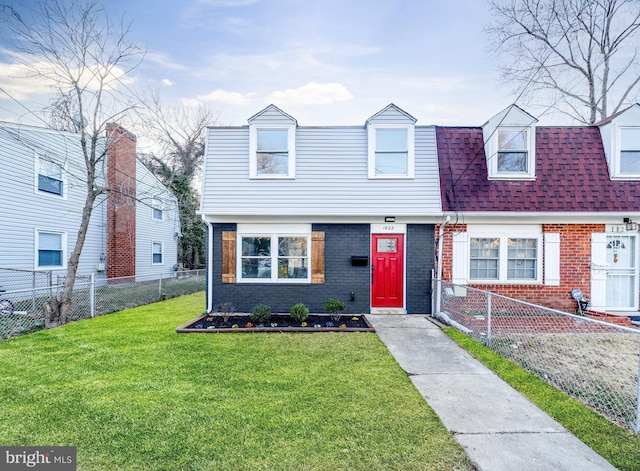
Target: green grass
column 131, row 394
column 616, row 445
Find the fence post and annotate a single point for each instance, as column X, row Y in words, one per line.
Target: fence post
column 636, row 427
column 92, row 295
column 488, row 319
column 33, row 296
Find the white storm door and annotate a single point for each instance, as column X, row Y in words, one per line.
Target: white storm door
column 622, row 280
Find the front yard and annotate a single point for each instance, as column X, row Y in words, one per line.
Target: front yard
column 130, row 393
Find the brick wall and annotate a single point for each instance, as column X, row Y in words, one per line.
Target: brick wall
column 341, row 278
column 575, row 267
column 121, row 203
column 420, row 261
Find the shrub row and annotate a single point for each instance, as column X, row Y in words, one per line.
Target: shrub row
column 261, row 313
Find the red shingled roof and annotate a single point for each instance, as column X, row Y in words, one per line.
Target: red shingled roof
column 571, row 175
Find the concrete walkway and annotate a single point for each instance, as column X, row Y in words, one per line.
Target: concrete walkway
column 497, row 427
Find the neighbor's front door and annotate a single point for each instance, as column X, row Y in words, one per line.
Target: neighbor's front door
column 387, row 270
column 621, row 272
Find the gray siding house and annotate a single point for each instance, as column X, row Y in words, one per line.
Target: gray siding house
column 303, row 214
column 43, row 194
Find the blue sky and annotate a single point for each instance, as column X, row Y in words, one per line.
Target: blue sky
column 322, row 61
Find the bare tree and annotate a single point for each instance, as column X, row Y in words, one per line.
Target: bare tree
column 579, row 57
column 75, row 48
column 179, row 132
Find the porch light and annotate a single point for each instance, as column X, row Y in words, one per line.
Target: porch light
column 389, row 219
column 630, row 225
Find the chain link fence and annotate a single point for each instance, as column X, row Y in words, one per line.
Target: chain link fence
column 595, row 362
column 26, row 309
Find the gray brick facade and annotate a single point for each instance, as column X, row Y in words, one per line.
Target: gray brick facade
column 342, row 241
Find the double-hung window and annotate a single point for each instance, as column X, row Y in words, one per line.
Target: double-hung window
column 391, row 151
column 513, row 151
column 505, row 258
column 157, row 253
column 274, row 257
column 157, row 211
column 50, row 177
column 272, row 152
column 630, row 151
column 50, row 249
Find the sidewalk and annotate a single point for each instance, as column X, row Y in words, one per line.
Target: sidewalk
column 497, row 427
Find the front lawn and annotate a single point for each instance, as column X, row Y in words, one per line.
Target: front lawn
column 131, row 394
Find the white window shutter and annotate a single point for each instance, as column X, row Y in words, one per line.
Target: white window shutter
column 598, row 271
column 460, row 258
column 552, row 259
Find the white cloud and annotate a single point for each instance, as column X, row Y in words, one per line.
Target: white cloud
column 312, row 94
column 230, row 98
column 167, row 83
column 22, row 81
column 15, row 80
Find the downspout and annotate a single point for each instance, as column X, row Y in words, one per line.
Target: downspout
column 209, row 255
column 439, row 275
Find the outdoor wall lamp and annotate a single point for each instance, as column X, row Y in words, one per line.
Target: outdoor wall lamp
column 629, row 225
column 389, row 219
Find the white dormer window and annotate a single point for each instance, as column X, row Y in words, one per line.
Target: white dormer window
column 630, row 151
column 513, row 151
column 391, row 151
column 510, row 145
column 510, row 154
column 272, row 152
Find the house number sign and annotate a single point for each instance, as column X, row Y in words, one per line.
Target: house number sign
column 389, row 228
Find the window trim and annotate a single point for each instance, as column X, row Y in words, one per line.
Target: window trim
column 494, row 150
column 274, row 232
column 618, row 174
column 503, row 257
column 63, row 243
column 371, row 139
column 253, row 148
column 65, row 188
column 153, row 243
column 157, row 205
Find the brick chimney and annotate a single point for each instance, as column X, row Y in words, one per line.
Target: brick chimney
column 121, row 202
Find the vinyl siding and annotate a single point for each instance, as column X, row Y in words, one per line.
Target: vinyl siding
column 331, row 176
column 24, row 210
column 149, row 230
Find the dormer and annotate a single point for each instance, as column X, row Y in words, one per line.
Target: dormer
column 391, row 144
column 621, row 140
column 272, row 144
column 510, row 145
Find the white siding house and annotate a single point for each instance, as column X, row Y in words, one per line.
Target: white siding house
column 42, row 198
column 301, row 213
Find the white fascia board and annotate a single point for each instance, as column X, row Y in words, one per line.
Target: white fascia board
column 476, row 217
column 308, row 219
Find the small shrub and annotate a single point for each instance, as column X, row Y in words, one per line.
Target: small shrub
column 226, row 309
column 260, row 314
column 299, row 312
column 333, row 306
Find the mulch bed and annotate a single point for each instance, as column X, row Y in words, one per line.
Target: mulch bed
column 211, row 323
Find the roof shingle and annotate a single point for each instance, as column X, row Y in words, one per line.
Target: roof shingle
column 571, row 175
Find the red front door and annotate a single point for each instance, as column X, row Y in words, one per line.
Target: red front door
column 387, row 270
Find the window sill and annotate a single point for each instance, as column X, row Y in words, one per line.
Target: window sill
column 272, row 177
column 513, row 176
column 391, row 177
